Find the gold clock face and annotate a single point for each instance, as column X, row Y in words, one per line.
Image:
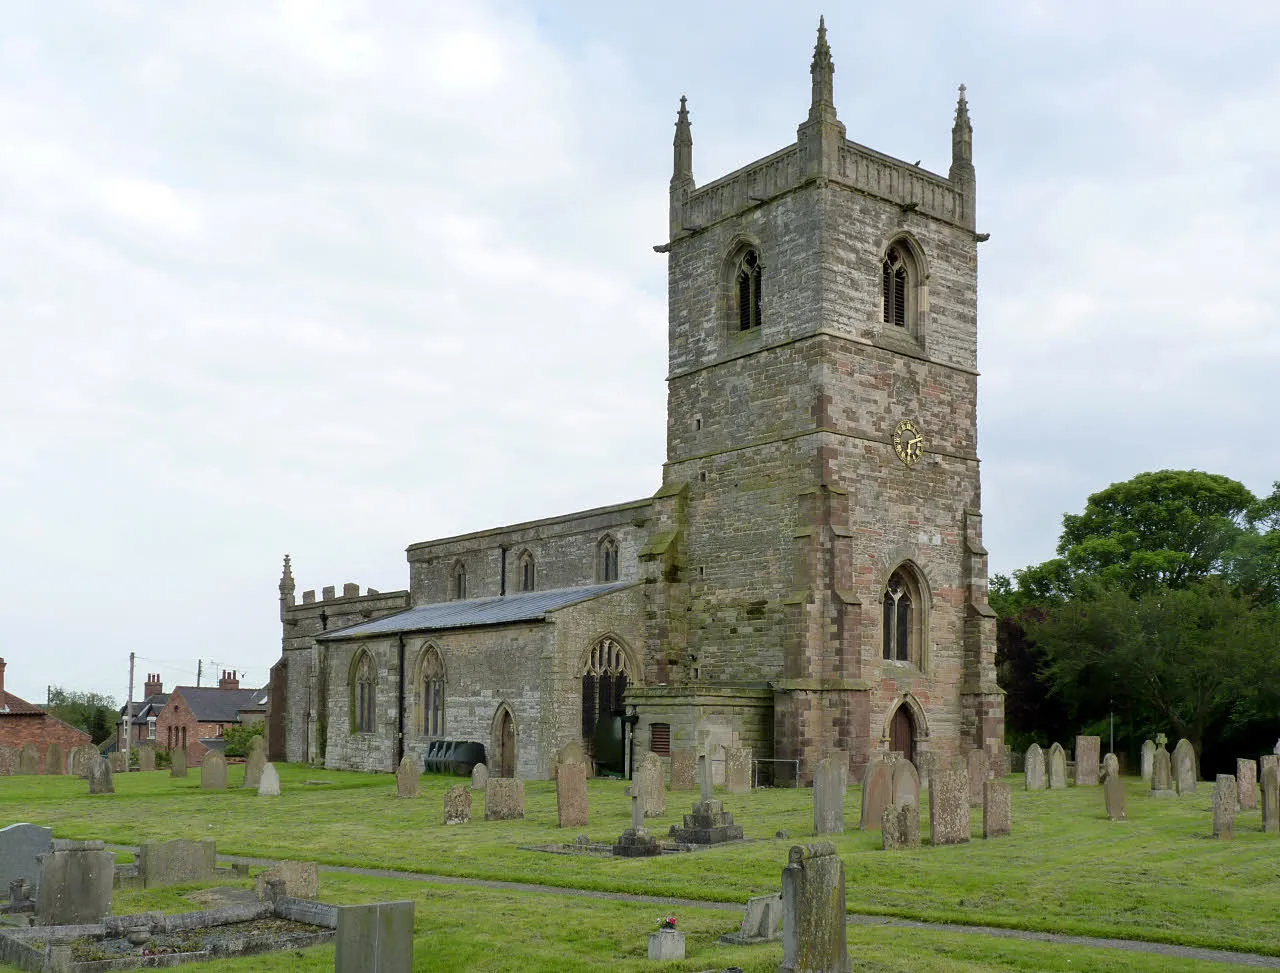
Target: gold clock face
column 908, row 443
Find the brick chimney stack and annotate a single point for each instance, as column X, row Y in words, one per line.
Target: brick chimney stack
column 228, row 680
column 153, row 686
column 1, row 682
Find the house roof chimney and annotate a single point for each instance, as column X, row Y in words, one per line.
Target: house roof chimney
column 153, row 686
column 229, row 680
column 1, row 682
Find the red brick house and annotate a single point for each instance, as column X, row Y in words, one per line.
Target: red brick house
column 22, row 723
column 197, row 716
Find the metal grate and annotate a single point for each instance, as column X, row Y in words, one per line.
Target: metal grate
column 660, row 738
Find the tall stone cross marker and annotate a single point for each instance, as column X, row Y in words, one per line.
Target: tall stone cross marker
column 704, row 777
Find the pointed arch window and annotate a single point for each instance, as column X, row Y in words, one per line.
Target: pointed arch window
column 527, row 572
column 431, row 694
column 895, row 281
column 604, row 681
column 748, row 281
column 363, row 690
column 607, row 560
column 902, row 618
column 458, row 582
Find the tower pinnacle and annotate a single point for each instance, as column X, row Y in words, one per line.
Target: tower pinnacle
column 682, row 169
column 286, row 583
column 961, row 173
column 822, row 70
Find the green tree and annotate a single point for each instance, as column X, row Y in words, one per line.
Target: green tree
column 94, row 713
column 238, row 737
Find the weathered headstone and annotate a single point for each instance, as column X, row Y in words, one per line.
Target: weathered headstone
column 119, row 760
column 997, row 809
column 572, row 753
column 55, row 759
column 9, row 760
column 479, row 777
column 29, row 760
column 1247, row 784
column 1057, row 767
column 75, row 885
column 814, row 938
column 254, row 763
column 213, row 772
column 900, row 826
column 504, row 799
column 1224, row 806
column 375, row 938
column 1268, row 760
column 877, row 793
column 828, row 798
column 949, row 807
column 21, row 846
column 100, row 781
column 457, row 805
column 1110, row 766
column 178, row 762
column 408, row 777
column 176, row 862
column 1148, row 760
column 761, row 921
column 1087, row 751
column 1113, row 796
column 684, row 769
column 83, row 758
column 269, row 785
column 905, row 786
column 1270, row 788
column 666, row 945
column 1184, row 767
column 146, row 757
column 1161, row 769
column 571, row 794
column 1033, row 768
column 978, row 766
column 737, row 769
column 301, row 879
column 648, row 779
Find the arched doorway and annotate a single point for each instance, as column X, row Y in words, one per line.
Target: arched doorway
column 902, row 733
column 502, row 759
column 604, row 681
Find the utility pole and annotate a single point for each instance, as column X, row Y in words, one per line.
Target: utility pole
column 199, row 670
column 128, row 709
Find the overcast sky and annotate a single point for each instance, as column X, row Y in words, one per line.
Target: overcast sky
column 329, row 278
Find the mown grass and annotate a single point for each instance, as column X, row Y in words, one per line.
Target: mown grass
column 1158, row 876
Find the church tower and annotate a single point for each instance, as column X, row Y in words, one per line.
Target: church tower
column 819, row 525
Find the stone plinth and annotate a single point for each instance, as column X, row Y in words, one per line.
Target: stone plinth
column 814, row 938
column 666, row 945
column 709, row 824
column 634, row 843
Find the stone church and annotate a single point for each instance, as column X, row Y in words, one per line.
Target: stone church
column 810, row 573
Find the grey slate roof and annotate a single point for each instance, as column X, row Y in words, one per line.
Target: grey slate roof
column 209, row 704
column 529, row 606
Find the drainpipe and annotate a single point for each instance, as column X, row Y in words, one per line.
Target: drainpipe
column 502, row 574
column 400, row 711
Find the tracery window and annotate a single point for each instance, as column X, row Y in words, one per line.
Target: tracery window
column 902, row 617
column 458, row 583
column 747, row 287
column 607, row 560
column 526, row 572
column 363, row 688
column 604, row 680
column 895, row 278
column 431, row 694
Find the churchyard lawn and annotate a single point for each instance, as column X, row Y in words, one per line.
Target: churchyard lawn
column 1158, row 876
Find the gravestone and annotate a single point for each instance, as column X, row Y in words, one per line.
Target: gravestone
column 649, row 781
column 666, row 945
column 572, row 753
column 119, row 760
column 1033, row 768
column 408, row 778
column 1110, row 766
column 55, row 759
column 1161, row 769
column 737, row 769
column 1184, row 767
column 176, row 862
column 1268, row 760
column 905, row 787
column 9, row 760
column 21, row 846
column 571, row 795
column 761, row 922
column 814, row 938
column 1113, row 796
column 684, row 769
column 710, row 823
column 213, row 772
column 375, row 938
column 301, row 879
column 1247, row 784
column 1148, row 759
column 269, row 785
column 100, row 781
column 146, row 758
column 479, row 777
column 504, row 799
column 841, row 759
column 977, row 765
column 1270, row 788
column 29, row 759
column 997, row 809
column 900, row 827
column 457, row 805
column 1224, row 806
column 636, row 842
column 83, row 758
column 828, row 798
column 949, row 807
column 877, row 793
column 254, row 763
column 75, row 884
column 1057, row 767
column 1087, row 750
column 178, row 763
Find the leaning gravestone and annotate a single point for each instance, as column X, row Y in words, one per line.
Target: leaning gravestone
column 75, row 884
column 1057, row 767
column 1110, row 766
column 301, row 879
column 737, row 769
column 1270, row 788
column 479, row 777
column 877, row 793
column 457, row 805
column 213, row 772
column 648, row 779
column 571, row 795
column 905, row 786
column 814, row 936
column 828, row 798
column 375, row 938
column 177, row 862
column 100, row 781
column 254, row 763
column 949, row 807
column 146, row 758
column 978, row 766
column 21, row 846
column 55, row 759
column 1113, row 796
column 178, row 764
column 997, row 809
column 900, row 827
column 1148, row 760
column 761, row 922
column 1033, row 767
column 504, row 799
column 1224, row 806
column 684, row 769
column 408, row 778
column 269, row 785
column 29, row 760
column 1087, row 750
column 1184, row 767
column 1247, row 784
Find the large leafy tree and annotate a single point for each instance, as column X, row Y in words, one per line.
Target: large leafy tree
column 94, row 713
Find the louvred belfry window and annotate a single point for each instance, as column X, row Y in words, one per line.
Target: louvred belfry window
column 893, row 283
column 749, row 281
